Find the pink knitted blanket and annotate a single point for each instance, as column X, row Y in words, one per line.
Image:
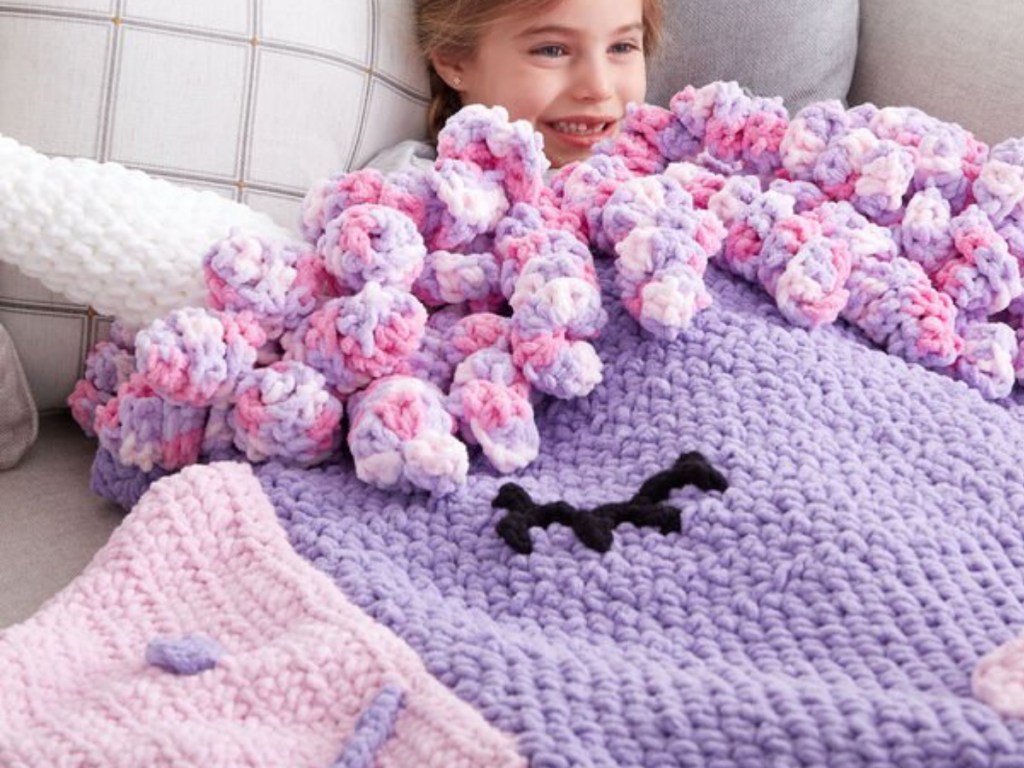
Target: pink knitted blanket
column 198, row 636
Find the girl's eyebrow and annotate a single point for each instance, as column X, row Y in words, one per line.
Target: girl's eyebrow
column 558, row 29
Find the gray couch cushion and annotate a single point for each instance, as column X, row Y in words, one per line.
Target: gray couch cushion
column 51, row 524
column 18, row 420
column 958, row 61
column 802, row 50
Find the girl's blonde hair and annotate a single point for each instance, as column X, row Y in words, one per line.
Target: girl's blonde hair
column 453, row 27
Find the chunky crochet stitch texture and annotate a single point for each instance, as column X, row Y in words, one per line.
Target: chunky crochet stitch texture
column 905, row 226
column 832, row 605
column 829, row 608
column 198, row 637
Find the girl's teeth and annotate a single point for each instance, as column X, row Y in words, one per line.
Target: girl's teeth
column 580, row 128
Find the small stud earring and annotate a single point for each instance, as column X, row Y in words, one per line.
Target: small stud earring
column 458, row 81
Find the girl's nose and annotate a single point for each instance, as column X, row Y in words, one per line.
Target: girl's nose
column 594, row 81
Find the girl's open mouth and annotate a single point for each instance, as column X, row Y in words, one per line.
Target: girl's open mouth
column 582, row 133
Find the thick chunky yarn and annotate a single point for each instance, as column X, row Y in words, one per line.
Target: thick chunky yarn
column 892, row 220
column 107, row 366
column 285, row 412
column 750, row 228
column 279, row 283
column 372, row 243
column 982, row 277
column 663, row 244
column 490, row 399
column 197, row 356
column 510, row 151
column 293, row 330
column 142, row 428
column 199, row 637
column 121, row 241
column 476, row 233
column 355, row 339
column 459, row 278
column 939, row 248
column 400, row 435
column 805, row 271
column 988, row 361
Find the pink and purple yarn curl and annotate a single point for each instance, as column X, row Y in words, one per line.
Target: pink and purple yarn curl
column 523, row 240
column 456, row 278
column 141, row 428
column 107, row 366
column 990, row 359
column 660, row 275
column 550, row 329
column 197, row 356
column 899, row 168
column 402, row 437
column 286, row 412
column 495, row 232
column 372, row 243
column 490, row 400
column 983, row 277
column 510, row 152
column 805, row 271
column 999, row 188
column 278, row 283
column 748, row 231
column 353, row 340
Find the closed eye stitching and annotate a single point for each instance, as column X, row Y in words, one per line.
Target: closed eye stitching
column 594, row 527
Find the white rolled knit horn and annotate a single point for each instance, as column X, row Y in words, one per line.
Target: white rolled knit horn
column 126, row 243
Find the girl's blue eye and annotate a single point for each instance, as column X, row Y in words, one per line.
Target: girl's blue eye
column 551, row 51
column 625, row 47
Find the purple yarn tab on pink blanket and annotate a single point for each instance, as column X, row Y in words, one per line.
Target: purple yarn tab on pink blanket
column 185, row 655
column 376, row 725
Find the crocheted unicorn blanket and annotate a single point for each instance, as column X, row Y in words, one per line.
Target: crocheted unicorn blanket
column 829, row 608
column 836, row 586
column 198, row 637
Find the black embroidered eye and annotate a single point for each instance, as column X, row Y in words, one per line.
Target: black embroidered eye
column 594, row 527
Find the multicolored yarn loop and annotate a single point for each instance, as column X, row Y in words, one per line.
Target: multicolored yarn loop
column 903, row 225
column 896, row 222
column 295, row 332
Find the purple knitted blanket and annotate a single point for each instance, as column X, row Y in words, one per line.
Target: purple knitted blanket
column 827, row 609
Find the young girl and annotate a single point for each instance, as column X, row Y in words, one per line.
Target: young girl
column 569, row 67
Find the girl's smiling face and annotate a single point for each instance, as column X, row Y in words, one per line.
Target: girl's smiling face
column 569, row 70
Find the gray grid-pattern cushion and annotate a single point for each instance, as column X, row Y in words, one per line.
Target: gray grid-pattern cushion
column 802, row 50
column 18, row 421
column 253, row 99
column 959, row 61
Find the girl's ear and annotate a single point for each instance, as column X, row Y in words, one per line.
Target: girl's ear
column 450, row 69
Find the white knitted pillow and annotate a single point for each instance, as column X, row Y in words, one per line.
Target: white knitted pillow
column 252, row 101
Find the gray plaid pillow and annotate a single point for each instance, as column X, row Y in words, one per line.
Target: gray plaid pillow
column 253, row 100
column 19, row 423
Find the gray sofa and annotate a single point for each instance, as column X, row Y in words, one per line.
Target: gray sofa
column 957, row 63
